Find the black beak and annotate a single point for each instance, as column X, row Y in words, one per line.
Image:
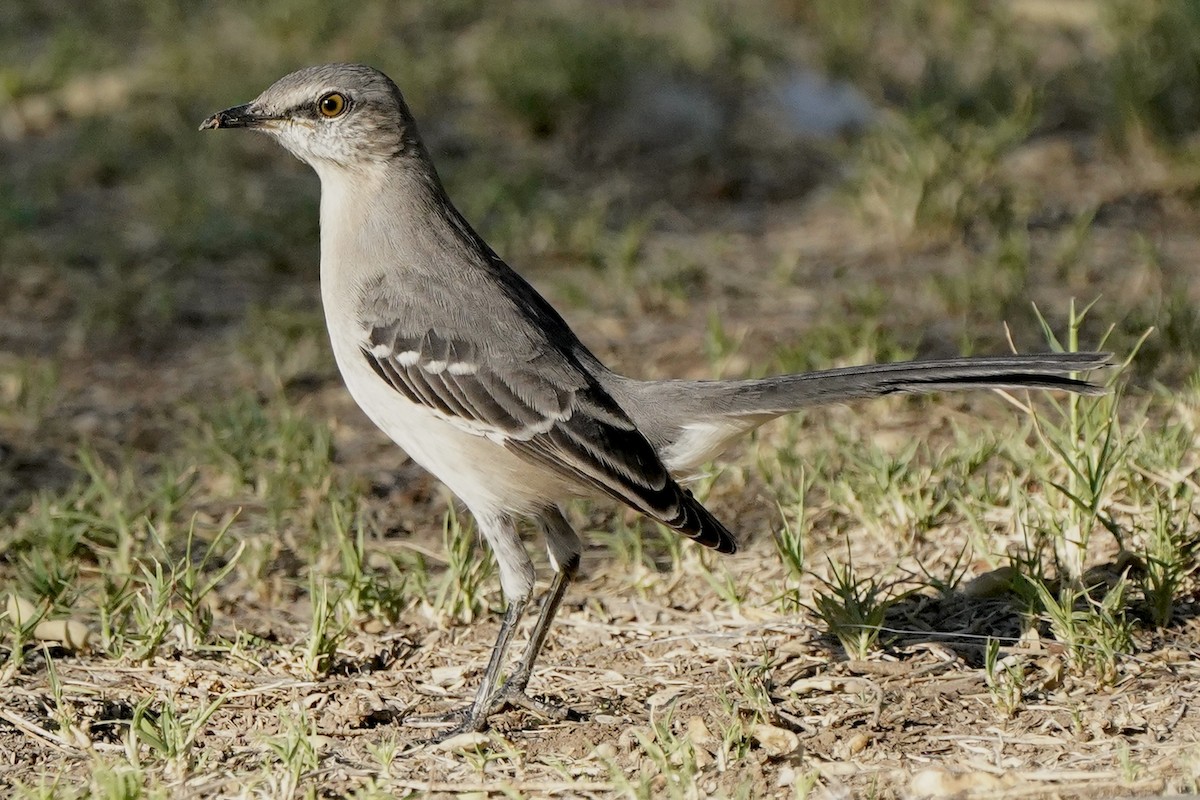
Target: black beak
column 236, row 117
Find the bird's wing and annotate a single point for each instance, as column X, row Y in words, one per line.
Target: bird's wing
column 543, row 407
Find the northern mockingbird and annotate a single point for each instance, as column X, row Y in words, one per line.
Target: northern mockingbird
column 465, row 366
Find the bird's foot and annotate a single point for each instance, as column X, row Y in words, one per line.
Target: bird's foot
column 456, row 722
column 448, row 719
column 512, row 695
column 474, row 718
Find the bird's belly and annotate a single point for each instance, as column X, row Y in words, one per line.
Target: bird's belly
column 485, row 475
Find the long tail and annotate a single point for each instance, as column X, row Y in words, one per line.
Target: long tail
column 785, row 393
column 692, row 422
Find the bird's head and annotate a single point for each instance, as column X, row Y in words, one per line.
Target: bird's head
column 332, row 117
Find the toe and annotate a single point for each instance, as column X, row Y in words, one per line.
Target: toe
column 518, row 699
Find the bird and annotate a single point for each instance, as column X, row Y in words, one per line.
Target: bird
column 466, row 367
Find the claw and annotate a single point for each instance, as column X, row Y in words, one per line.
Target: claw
column 516, row 698
column 449, row 719
column 472, row 720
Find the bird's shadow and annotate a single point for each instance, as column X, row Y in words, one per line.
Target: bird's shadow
column 1003, row 608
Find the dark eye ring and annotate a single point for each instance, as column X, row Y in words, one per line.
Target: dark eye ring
column 332, row 105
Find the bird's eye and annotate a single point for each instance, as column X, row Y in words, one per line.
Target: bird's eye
column 332, row 105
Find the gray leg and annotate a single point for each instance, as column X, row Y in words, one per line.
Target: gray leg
column 520, row 676
column 516, row 578
column 476, row 717
column 564, row 546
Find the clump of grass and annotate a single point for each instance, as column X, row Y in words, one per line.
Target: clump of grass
column 105, row 516
column 71, row 727
column 1096, row 633
column 1086, row 435
column 673, row 769
column 121, row 782
column 160, row 729
column 790, row 545
column 271, row 452
column 497, row 752
column 1005, row 679
column 367, row 588
column 751, row 683
column 115, row 539
column 328, row 628
column 18, row 627
column 462, row 589
column 1167, row 559
column 169, row 597
column 852, row 608
column 294, row 754
column 1087, row 610
column 892, row 491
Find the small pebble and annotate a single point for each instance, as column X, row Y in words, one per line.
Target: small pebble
column 775, row 741
column 605, row 751
column 857, row 743
column 463, row 741
column 71, row 634
column 20, row 610
column 699, row 734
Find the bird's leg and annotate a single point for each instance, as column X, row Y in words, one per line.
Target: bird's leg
column 475, row 718
column 564, row 547
column 516, row 578
column 512, row 693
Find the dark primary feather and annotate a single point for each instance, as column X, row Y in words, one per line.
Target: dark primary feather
column 551, row 414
